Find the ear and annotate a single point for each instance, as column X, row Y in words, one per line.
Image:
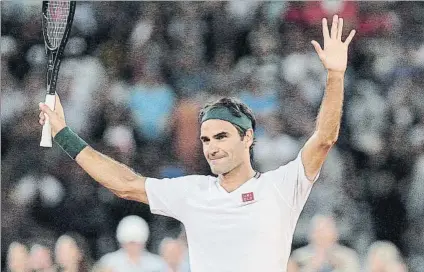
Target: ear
column 248, row 138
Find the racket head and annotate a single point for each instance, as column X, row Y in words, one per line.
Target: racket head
column 57, row 18
column 56, row 22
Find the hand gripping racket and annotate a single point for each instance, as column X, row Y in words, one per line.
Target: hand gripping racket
column 57, row 22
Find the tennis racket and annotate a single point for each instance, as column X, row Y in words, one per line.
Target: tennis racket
column 57, row 22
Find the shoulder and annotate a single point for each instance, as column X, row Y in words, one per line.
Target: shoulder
column 346, row 251
column 111, row 258
column 302, row 254
column 281, row 171
column 291, row 167
column 200, row 182
column 154, row 259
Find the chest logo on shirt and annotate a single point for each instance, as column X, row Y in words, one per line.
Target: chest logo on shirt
column 247, row 197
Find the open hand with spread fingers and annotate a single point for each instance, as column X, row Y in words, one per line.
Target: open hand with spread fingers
column 334, row 55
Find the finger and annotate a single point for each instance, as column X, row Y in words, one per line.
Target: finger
column 325, row 29
column 317, row 48
column 45, row 109
column 350, row 37
column 58, row 103
column 41, row 115
column 340, row 29
column 334, row 26
column 58, row 106
column 42, row 119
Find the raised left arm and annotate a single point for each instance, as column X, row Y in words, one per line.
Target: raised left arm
column 334, row 58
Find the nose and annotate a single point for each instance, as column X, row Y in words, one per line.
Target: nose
column 212, row 149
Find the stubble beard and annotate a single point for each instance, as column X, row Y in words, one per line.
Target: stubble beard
column 223, row 169
column 220, row 169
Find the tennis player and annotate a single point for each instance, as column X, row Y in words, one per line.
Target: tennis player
column 241, row 220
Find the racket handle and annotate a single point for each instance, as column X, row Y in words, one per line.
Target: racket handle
column 46, row 134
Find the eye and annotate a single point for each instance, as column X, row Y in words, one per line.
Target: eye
column 220, row 137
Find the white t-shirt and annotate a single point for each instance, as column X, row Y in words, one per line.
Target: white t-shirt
column 118, row 261
column 248, row 229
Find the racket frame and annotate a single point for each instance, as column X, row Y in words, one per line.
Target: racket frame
column 54, row 58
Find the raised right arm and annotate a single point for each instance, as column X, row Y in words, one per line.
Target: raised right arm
column 115, row 176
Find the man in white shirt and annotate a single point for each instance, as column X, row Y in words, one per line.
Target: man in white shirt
column 240, row 220
column 132, row 234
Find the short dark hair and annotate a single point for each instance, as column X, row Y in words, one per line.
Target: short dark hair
column 237, row 108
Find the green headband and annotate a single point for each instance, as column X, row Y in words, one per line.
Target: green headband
column 223, row 113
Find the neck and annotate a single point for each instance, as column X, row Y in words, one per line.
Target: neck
column 324, row 247
column 236, row 177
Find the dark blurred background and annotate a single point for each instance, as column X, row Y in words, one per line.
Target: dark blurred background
column 136, row 73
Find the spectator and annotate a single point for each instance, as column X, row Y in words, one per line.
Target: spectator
column 324, row 253
column 40, row 259
column 186, row 136
column 151, row 99
column 132, row 234
column 72, row 253
column 173, row 251
column 17, row 258
column 384, row 256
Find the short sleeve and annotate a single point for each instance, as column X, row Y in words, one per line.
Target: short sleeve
column 168, row 196
column 292, row 184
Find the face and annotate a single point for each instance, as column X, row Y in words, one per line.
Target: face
column 17, row 258
column 172, row 252
column 222, row 146
column 133, row 248
column 67, row 252
column 381, row 259
column 40, row 258
column 375, row 262
column 324, row 232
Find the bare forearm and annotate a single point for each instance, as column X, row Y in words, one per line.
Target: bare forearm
column 117, row 177
column 329, row 117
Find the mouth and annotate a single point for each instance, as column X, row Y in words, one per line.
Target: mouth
column 215, row 160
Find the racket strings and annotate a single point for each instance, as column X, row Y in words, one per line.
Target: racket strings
column 57, row 17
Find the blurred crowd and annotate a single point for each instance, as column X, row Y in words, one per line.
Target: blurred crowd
column 71, row 253
column 133, row 78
